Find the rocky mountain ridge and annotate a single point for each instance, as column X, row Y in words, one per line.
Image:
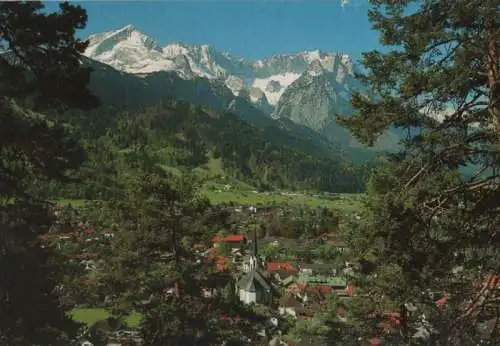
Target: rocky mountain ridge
column 129, row 50
column 309, row 88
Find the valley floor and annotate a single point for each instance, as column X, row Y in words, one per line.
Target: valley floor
column 344, row 202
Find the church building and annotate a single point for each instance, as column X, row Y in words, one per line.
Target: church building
column 253, row 287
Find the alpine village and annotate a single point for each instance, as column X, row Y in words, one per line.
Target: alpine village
column 155, row 192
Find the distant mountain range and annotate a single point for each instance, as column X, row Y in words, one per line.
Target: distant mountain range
column 307, row 89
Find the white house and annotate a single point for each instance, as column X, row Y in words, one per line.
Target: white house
column 288, row 305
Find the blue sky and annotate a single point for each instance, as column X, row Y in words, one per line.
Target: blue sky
column 252, row 29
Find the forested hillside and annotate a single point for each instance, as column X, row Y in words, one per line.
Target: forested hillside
column 178, row 136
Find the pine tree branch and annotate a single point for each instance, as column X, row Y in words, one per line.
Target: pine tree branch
column 449, row 54
column 438, row 44
column 479, row 172
column 477, row 302
column 473, row 185
column 417, row 175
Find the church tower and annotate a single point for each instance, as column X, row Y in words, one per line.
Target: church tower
column 254, row 258
column 253, row 286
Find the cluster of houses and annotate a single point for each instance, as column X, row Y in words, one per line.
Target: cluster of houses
column 300, row 290
column 80, row 235
column 295, row 289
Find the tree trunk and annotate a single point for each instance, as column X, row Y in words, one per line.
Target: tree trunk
column 176, row 252
column 493, row 61
column 403, row 314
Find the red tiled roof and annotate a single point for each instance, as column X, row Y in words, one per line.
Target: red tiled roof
column 375, row 342
column 341, row 312
column 276, row 266
column 305, row 311
column 232, row 238
column 491, row 281
column 220, row 266
column 391, row 317
column 440, row 303
column 89, row 231
column 220, row 261
column 332, row 237
column 213, row 254
column 323, row 289
column 296, row 287
column 237, row 318
column 350, row 290
column 89, row 282
column 86, row 255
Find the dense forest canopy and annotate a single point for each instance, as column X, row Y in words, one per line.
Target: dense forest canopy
column 177, row 134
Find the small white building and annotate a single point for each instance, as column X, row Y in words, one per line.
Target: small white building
column 289, row 304
column 253, row 287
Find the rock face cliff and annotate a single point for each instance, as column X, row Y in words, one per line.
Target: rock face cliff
column 318, row 96
column 313, row 99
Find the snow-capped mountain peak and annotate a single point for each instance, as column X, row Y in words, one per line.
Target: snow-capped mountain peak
column 274, row 85
column 317, row 54
column 315, row 68
column 174, row 49
column 100, row 43
column 129, row 50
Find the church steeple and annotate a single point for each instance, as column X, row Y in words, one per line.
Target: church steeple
column 255, row 245
column 254, row 257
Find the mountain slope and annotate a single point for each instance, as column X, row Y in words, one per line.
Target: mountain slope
column 307, row 88
column 178, row 136
column 316, row 98
column 313, row 98
column 123, row 90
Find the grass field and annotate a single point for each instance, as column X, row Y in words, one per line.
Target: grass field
column 73, row 202
column 91, row 315
column 233, row 191
column 347, row 203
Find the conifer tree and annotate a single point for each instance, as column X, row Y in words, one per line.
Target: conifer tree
column 429, row 240
column 147, row 269
column 39, row 71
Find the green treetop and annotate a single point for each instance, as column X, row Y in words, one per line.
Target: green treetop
column 40, row 71
column 431, row 224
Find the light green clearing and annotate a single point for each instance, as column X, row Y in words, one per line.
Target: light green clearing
column 347, row 203
column 73, row 202
column 90, row 316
